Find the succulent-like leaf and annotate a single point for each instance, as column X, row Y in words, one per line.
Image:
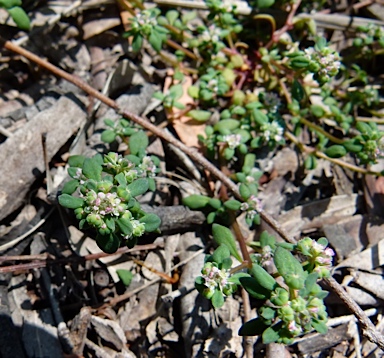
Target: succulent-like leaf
column 289, row 268
column 199, row 115
column 108, row 136
column 226, row 126
column 263, row 278
column 125, row 226
column 267, row 240
column 262, row 4
column 252, row 286
column 70, row 186
column 20, row 17
column 138, row 187
column 217, row 299
column 232, row 204
column 71, row 202
column 151, row 221
column 92, row 168
column 125, row 276
column 271, row 334
column 108, row 243
column 222, row 235
column 76, row 161
column 9, row 3
column 320, row 327
column 138, row 142
column 196, row 201
column 254, row 327
column 221, row 253
column 298, row 92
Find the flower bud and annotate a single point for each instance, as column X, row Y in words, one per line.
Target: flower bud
column 280, row 296
column 286, row 313
column 208, row 293
column 95, row 220
column 298, row 304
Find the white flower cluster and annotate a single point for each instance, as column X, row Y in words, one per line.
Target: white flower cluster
column 233, row 140
column 326, row 62
column 272, row 131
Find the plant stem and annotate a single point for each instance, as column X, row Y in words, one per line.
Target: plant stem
column 319, row 154
column 317, row 128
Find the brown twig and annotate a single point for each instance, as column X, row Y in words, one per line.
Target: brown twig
column 44, row 260
column 369, row 329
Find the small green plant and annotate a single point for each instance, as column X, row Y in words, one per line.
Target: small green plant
column 17, row 13
column 103, row 192
column 256, row 91
column 292, row 300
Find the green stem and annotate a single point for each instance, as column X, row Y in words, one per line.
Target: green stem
column 317, row 128
column 319, row 154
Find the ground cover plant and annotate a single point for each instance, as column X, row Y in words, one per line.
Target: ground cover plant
column 258, row 80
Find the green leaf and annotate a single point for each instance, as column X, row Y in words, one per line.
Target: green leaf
column 221, row 253
column 317, row 111
column 125, row 226
column 108, row 136
column 211, row 217
column 217, row 299
column 267, row 240
column 155, row 39
column 137, row 42
column 215, row 203
column 193, row 91
column 108, row 243
column 138, row 187
column 364, row 128
column 138, row 142
column 70, row 186
column 196, row 201
column 199, row 115
column 226, row 126
column 9, row 3
column 245, row 192
column 298, row 92
column 262, row 4
column 232, row 204
column 235, row 278
column 254, row 327
column 323, row 241
column 76, row 161
column 309, row 284
column 252, row 286
column 125, row 276
column 263, row 278
column 259, row 117
column 20, row 17
column 176, row 91
column 267, row 313
column 121, row 179
column 71, row 202
column 222, row 235
column 92, row 168
column 320, row 327
column 171, row 16
column 151, row 221
column 299, row 62
column 289, row 268
column 271, row 334
column 335, row 151
column 111, row 224
column 353, row 145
